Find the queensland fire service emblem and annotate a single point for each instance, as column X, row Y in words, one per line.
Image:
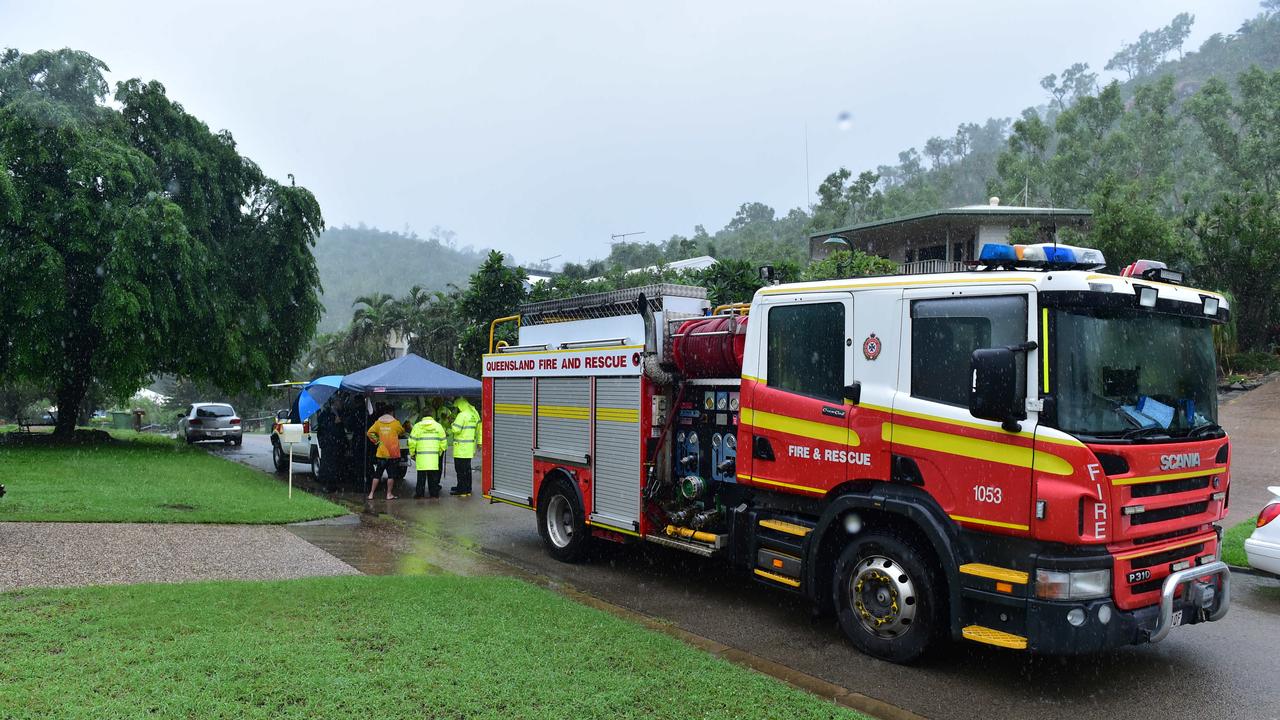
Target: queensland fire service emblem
column 871, row 347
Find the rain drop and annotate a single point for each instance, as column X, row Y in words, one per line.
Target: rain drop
column 844, row 121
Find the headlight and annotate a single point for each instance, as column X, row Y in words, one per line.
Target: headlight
column 1073, row 585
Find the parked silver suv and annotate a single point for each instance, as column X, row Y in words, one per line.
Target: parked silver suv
column 210, row 421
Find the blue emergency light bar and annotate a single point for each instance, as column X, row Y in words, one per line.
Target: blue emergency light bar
column 1042, row 255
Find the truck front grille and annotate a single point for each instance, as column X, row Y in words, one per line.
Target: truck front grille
column 1138, row 580
column 1170, row 487
column 1168, row 513
column 1167, row 556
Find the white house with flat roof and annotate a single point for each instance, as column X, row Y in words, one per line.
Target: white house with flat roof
column 943, row 240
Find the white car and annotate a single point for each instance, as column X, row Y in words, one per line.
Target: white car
column 210, row 421
column 1263, row 547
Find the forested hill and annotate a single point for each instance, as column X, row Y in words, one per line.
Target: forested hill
column 964, row 168
column 355, row 261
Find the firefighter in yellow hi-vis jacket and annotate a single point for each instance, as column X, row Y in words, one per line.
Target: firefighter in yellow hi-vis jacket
column 427, row 442
column 463, row 430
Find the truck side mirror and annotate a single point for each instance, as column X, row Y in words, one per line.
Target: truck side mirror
column 994, row 392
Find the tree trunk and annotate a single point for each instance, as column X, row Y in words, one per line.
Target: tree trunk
column 73, row 386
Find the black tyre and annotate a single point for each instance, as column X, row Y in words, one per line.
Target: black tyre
column 228, row 441
column 561, row 523
column 278, row 457
column 187, row 437
column 315, row 463
column 888, row 597
column 238, row 441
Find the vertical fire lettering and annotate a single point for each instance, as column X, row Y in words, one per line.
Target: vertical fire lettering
column 1100, row 507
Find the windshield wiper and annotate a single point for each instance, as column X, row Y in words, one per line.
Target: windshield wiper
column 1143, row 432
column 1207, row 429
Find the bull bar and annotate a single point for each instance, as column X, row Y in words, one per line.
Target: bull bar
column 1164, row 622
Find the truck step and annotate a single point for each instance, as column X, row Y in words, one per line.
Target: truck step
column 783, row 526
column 991, row 636
column 776, row 579
column 783, row 534
column 697, row 548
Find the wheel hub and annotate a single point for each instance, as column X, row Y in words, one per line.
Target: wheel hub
column 883, row 597
column 560, row 521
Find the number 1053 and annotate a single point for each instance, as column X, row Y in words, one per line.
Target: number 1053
column 987, row 494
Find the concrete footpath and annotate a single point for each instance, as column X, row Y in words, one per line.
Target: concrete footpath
column 69, row 554
column 1252, row 421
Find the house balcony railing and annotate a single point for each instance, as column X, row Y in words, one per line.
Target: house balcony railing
column 921, row 267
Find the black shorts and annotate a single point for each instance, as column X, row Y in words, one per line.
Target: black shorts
column 389, row 465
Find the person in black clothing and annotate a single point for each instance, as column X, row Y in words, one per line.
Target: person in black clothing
column 357, row 461
column 333, row 448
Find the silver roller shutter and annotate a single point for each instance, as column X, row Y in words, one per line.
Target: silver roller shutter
column 513, row 439
column 617, row 472
column 564, row 411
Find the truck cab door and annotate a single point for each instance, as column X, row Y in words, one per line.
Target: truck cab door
column 794, row 420
column 977, row 471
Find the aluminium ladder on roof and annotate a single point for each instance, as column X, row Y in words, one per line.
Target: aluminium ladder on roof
column 614, row 303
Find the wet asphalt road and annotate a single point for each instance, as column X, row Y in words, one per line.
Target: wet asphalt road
column 1228, row 669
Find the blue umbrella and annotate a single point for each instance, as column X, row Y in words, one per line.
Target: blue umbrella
column 316, row 393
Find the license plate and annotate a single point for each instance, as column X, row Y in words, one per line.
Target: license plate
column 1138, row 576
column 215, row 433
column 1176, row 620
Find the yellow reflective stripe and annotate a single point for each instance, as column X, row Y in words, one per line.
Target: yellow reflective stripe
column 1162, row 548
column 622, row 415
column 752, row 379
column 492, row 499
column 602, row 526
column 992, row 523
column 1044, row 346
column 805, row 488
column 1069, row 442
column 990, row 636
column 512, row 409
column 900, row 282
column 804, row 428
column 568, row 350
column 988, row 450
column 1158, row 478
column 1144, row 281
column 563, row 411
column 991, row 572
column 778, row 578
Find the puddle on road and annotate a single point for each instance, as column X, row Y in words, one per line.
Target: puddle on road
column 421, row 544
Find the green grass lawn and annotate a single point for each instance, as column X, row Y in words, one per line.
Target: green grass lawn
column 144, row 478
column 360, row 647
column 1233, row 542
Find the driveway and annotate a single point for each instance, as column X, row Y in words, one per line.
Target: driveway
column 1252, row 421
column 67, row 554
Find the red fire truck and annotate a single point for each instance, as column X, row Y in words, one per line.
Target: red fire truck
column 1025, row 455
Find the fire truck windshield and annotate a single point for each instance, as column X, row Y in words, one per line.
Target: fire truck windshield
column 1129, row 374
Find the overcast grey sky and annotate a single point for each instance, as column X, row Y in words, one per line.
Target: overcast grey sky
column 540, row 128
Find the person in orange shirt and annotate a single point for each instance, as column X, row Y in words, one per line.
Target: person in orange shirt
column 385, row 432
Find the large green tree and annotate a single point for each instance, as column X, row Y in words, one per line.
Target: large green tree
column 495, row 291
column 1240, row 234
column 135, row 241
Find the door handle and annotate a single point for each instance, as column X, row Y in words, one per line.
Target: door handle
column 760, row 448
